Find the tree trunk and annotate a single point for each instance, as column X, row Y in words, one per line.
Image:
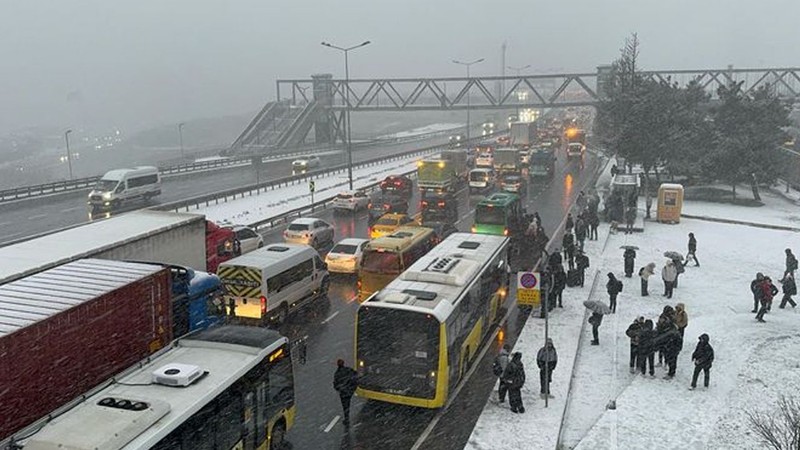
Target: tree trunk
column 734, row 190
column 658, row 175
column 754, row 187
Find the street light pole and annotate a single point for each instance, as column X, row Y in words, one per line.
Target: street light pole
column 69, row 154
column 346, row 51
column 180, row 137
column 467, row 65
column 518, row 70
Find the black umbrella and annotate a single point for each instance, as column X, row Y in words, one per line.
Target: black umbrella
column 673, row 255
column 597, row 307
column 629, row 247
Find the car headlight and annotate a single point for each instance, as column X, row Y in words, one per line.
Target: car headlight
column 107, row 195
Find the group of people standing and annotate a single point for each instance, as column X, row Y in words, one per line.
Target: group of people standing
column 764, row 291
column 510, row 371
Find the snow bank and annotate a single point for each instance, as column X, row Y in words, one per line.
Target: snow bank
column 423, row 130
column 776, row 211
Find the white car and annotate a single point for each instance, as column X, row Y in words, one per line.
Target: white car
column 305, row 163
column 351, row 200
column 345, row 257
column 309, row 231
column 249, row 240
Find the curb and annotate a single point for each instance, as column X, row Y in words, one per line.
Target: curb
column 741, row 222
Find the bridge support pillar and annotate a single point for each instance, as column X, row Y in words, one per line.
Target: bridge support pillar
column 323, row 95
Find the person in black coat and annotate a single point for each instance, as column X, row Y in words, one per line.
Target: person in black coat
column 633, row 333
column 755, row 288
column 791, row 263
column 559, row 284
column 595, row 319
column 789, row 289
column 594, row 222
column 613, row 287
column 630, row 257
column 345, row 381
column 671, row 342
column 569, row 223
column 692, row 251
column 645, row 350
column 568, row 243
column 514, row 378
column 581, row 264
column 666, row 322
column 703, row 358
column 546, row 359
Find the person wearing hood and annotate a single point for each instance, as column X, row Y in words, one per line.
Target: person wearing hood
column 613, row 287
column 681, row 318
column 498, row 368
column 581, row 264
column 646, row 352
column 669, row 274
column 568, row 243
column 768, row 291
column 672, row 343
column 644, row 274
column 791, row 263
column 703, row 358
column 514, row 377
column 665, row 324
column 633, row 333
column 569, row 223
column 546, row 359
column 755, row 288
column 559, row 284
column 630, row 258
column 789, row 289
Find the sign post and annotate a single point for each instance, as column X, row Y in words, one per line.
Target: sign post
column 528, row 293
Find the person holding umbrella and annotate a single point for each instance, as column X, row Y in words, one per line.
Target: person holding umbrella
column 629, row 257
column 598, row 309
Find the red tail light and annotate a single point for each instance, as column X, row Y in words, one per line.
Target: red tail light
column 263, row 305
column 505, row 232
column 358, row 285
column 441, row 204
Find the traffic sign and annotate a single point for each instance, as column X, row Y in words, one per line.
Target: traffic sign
column 312, row 187
column 528, row 293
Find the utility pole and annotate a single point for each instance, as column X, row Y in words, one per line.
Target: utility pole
column 69, row 154
column 467, row 65
column 180, row 137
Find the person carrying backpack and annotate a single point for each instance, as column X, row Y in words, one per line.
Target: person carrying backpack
column 498, row 368
column 613, row 287
column 514, row 377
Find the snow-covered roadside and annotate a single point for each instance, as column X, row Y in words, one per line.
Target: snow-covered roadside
column 776, row 211
column 278, row 201
column 423, row 130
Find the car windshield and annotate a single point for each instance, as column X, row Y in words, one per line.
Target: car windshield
column 478, row 176
column 512, row 179
column 386, row 221
column 490, row 215
column 298, row 227
column 345, row 249
column 381, row 262
column 106, row 185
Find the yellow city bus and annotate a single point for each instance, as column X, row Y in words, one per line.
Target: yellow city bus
column 416, row 338
column 388, row 256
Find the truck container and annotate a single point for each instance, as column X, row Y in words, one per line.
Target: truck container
column 542, row 162
column 143, row 235
column 67, row 329
column 506, row 160
column 444, row 173
column 522, row 134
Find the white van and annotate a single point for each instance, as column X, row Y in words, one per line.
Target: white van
column 267, row 284
column 481, row 180
column 125, row 185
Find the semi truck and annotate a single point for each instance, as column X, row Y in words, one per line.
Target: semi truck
column 506, row 160
column 576, row 142
column 522, row 134
column 67, row 329
column 542, row 162
column 444, row 173
column 144, row 235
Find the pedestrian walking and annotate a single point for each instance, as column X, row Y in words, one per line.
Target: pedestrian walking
column 613, row 287
column 789, row 289
column 498, row 369
column 669, row 274
column 681, row 318
column 768, row 291
column 569, row 223
column 629, row 257
column 594, row 223
column 580, row 201
column 791, row 263
column 345, row 381
column 514, row 377
column 692, row 251
column 568, row 243
column 595, row 320
column 581, row 264
column 646, row 352
column 580, row 231
column 633, row 333
column 644, row 274
column 559, row 284
column 703, row 358
column 630, row 218
column 679, row 269
column 755, row 288
column 546, row 359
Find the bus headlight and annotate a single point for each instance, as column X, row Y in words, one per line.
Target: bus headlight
column 432, row 379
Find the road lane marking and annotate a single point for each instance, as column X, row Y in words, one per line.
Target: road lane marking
column 72, row 209
column 38, row 216
column 331, row 317
column 330, row 425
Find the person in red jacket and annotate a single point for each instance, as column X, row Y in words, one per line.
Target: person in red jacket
column 768, row 291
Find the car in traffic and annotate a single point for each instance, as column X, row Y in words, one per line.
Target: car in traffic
column 248, row 238
column 525, row 157
column 305, row 163
column 441, row 229
column 457, row 140
column 387, row 224
column 397, row 184
column 384, row 205
column 351, row 201
column 309, row 231
column 481, row 180
column 345, row 256
column 485, row 159
column 514, row 183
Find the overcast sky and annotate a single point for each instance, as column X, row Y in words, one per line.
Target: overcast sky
column 145, row 62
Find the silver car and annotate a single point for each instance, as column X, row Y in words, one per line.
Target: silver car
column 351, row 200
column 309, row 231
column 305, row 163
column 249, row 240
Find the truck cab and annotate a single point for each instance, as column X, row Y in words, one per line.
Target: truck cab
column 221, row 245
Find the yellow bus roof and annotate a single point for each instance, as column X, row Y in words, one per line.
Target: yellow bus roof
column 400, row 239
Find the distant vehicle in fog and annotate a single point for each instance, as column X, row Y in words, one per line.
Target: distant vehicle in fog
column 121, row 186
column 305, row 163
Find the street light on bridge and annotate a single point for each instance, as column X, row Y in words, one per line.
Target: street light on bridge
column 69, row 155
column 347, row 50
column 180, row 138
column 467, row 65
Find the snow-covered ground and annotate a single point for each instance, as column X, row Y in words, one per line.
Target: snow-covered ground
column 277, row 201
column 776, row 210
column 423, row 130
column 755, row 362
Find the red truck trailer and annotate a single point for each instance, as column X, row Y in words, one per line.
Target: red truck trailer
column 65, row 330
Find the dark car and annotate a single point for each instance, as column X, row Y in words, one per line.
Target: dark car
column 439, row 207
column 386, row 204
column 397, row 184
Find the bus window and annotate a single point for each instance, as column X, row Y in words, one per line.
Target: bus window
column 281, row 384
column 490, row 215
column 229, row 420
column 381, row 262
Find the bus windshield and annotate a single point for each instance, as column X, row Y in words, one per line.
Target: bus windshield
column 381, row 262
column 399, row 350
column 478, row 176
column 490, row 215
